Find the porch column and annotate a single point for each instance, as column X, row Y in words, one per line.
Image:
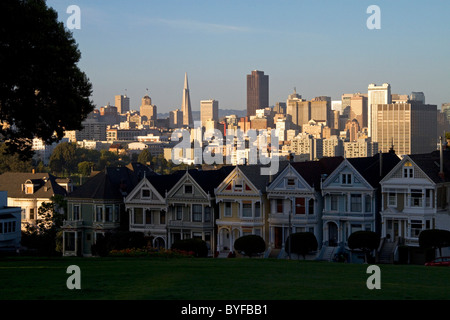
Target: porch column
column 76, row 242
column 64, row 243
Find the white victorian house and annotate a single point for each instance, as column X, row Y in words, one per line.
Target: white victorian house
column 352, row 200
column 296, row 202
column 415, row 198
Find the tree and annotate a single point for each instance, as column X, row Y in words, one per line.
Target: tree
column 301, row 243
column 10, row 162
column 64, row 158
column 144, row 157
column 364, row 240
column 435, row 239
column 250, row 245
column 42, row 90
column 45, row 235
column 85, row 167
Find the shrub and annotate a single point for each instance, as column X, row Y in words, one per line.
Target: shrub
column 197, row 246
column 435, row 239
column 365, row 241
column 250, row 245
column 301, row 243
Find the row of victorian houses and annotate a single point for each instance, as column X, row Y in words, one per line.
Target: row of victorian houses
column 332, row 198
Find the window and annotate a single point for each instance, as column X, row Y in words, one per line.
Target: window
column 238, row 187
column 368, row 203
column 24, row 214
column 138, row 216
column 257, row 209
column 290, row 182
column 311, row 206
column 392, row 199
column 416, row 198
column 247, row 210
column 32, row 214
column 197, row 212
column 188, row 189
column 416, row 228
column 76, row 212
column 355, row 203
column 207, row 214
column 408, row 170
column 279, row 205
column 428, row 198
column 178, row 212
column 29, row 189
column 116, row 213
column 346, row 178
column 227, row 209
column 300, row 206
column 99, row 213
column 145, row 193
column 162, row 218
column 109, row 213
column 148, row 217
column 334, row 200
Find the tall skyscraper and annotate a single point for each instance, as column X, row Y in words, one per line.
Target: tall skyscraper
column 298, row 110
column 321, row 109
column 122, row 103
column 409, row 127
column 175, row 119
column 186, row 105
column 209, row 110
column 148, row 111
column 376, row 95
column 358, row 109
column 257, row 91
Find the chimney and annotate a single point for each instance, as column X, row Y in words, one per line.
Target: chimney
column 33, row 171
column 441, row 156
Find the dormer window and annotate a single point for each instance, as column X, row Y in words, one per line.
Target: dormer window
column 238, row 186
column 290, row 182
column 145, row 193
column 346, row 178
column 408, row 170
column 28, row 187
column 188, row 189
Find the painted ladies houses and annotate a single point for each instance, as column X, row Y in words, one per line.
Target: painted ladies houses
column 29, row 190
column 352, row 198
column 147, row 207
column 97, row 207
column 296, row 201
column 415, row 198
column 192, row 208
column 243, row 206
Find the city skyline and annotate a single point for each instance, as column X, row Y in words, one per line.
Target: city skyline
column 321, row 49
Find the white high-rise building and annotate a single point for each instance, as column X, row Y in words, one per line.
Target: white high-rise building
column 209, row 110
column 376, row 95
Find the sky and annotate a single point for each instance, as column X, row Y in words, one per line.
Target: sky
column 322, row 48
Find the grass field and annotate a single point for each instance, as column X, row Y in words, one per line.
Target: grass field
column 215, row 279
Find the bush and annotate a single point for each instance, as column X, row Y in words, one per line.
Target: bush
column 435, row 239
column 118, row 240
column 250, row 245
column 197, row 246
column 365, row 241
column 301, row 243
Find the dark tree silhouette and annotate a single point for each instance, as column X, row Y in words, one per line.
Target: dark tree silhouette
column 42, row 90
column 250, row 245
column 365, row 241
column 435, row 239
column 301, row 243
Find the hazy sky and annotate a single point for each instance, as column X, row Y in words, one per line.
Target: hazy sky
column 319, row 47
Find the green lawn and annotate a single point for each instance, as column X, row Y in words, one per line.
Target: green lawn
column 215, row 279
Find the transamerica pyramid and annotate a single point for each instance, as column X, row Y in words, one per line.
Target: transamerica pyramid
column 186, row 105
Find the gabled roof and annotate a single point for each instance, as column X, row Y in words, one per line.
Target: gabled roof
column 253, row 173
column 369, row 167
column 45, row 185
column 429, row 163
column 210, row 179
column 113, row 183
column 312, row 171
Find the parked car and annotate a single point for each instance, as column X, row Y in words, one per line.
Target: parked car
column 442, row 261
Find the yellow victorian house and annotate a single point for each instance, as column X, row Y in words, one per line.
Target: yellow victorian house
column 243, row 206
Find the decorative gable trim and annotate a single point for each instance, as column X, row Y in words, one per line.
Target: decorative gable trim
column 398, row 170
column 136, row 193
column 335, row 176
column 186, row 180
column 281, row 182
column 229, row 186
